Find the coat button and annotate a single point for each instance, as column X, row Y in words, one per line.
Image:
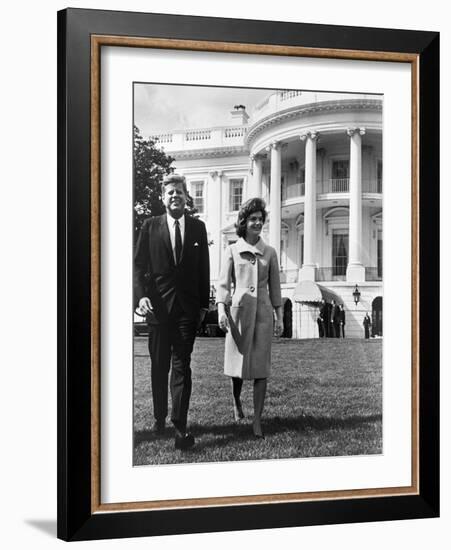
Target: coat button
column 252, row 288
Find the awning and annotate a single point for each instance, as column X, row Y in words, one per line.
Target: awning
column 309, row 291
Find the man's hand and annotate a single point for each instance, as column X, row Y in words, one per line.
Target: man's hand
column 145, row 306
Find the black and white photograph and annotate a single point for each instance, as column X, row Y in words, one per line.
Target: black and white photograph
column 257, row 274
column 272, row 371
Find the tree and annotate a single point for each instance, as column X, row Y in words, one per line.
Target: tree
column 151, row 164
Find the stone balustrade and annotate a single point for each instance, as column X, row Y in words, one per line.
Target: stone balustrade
column 199, row 138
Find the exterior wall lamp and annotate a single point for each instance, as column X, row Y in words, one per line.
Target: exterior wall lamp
column 356, row 295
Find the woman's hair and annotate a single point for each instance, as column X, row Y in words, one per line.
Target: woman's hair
column 249, row 207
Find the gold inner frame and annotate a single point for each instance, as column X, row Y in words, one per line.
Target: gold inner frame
column 97, row 41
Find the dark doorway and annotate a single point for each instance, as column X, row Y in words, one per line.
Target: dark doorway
column 376, row 317
column 287, row 319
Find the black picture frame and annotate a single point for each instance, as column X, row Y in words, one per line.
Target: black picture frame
column 77, row 515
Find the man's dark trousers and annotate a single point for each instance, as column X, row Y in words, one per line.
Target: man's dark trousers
column 172, row 339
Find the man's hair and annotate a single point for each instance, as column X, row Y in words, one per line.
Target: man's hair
column 174, row 179
column 249, row 207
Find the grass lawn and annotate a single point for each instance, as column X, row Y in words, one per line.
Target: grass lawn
column 324, row 398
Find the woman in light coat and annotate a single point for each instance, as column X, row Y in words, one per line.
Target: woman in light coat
column 251, row 268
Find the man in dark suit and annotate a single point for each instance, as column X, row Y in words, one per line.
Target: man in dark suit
column 321, row 319
column 172, row 284
column 342, row 318
column 334, row 320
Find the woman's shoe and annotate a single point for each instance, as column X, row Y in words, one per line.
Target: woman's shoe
column 238, row 412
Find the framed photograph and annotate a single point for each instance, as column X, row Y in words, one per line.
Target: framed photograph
column 248, row 274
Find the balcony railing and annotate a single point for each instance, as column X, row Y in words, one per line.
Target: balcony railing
column 339, row 185
column 339, row 274
column 162, row 138
column 373, row 274
column 289, row 94
column 235, row 131
column 330, row 274
column 289, row 275
column 198, row 135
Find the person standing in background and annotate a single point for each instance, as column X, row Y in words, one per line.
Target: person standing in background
column 342, row 319
column 321, row 319
column 367, row 325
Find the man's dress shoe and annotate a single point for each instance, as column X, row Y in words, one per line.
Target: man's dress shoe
column 159, row 428
column 184, row 442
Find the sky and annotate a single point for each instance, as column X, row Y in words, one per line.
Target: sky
column 161, row 108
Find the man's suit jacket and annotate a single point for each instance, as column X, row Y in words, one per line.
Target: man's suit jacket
column 342, row 316
column 156, row 275
column 334, row 314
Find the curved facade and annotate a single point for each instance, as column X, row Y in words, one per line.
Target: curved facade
column 317, row 160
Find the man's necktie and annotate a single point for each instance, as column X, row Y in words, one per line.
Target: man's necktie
column 178, row 242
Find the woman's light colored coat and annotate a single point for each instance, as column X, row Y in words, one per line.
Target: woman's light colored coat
column 253, row 270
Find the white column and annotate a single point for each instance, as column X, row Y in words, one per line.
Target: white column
column 274, row 196
column 355, row 271
column 218, row 223
column 257, row 173
column 307, row 271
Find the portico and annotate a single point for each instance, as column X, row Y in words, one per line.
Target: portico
column 312, row 192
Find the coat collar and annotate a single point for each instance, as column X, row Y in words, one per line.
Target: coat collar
column 244, row 246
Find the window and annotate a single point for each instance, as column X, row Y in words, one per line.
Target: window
column 340, row 169
column 236, row 194
column 340, row 176
column 300, row 177
column 340, row 243
column 283, row 188
column 379, row 176
column 197, row 192
column 379, row 254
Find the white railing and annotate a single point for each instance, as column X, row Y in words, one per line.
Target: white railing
column 162, row 138
column 289, row 94
column 293, row 98
column 197, row 138
column 198, row 135
column 234, row 131
column 341, row 185
column 338, row 185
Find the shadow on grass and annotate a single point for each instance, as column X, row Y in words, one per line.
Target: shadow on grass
column 271, row 426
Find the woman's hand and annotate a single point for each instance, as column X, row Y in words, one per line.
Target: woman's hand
column 278, row 328
column 223, row 322
column 278, row 324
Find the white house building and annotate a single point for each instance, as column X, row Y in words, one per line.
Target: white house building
column 316, row 158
